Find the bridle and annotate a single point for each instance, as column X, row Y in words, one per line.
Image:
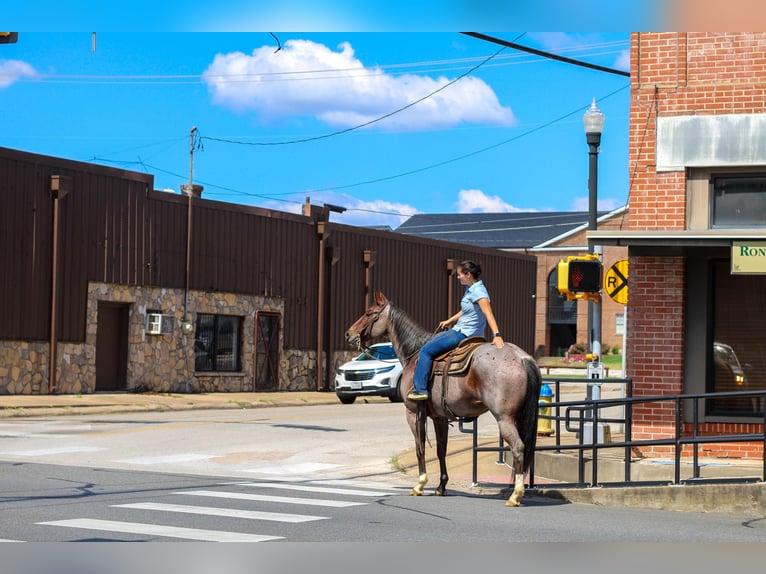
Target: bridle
column 367, row 332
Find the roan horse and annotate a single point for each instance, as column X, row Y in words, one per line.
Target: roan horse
column 505, row 381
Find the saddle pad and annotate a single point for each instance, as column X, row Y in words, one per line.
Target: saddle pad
column 458, row 358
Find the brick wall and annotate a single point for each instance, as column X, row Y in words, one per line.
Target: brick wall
column 676, row 74
column 694, row 73
column 654, row 357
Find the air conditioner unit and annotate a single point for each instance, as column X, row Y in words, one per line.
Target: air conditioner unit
column 159, row 324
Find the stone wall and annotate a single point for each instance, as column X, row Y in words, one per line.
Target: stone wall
column 158, row 363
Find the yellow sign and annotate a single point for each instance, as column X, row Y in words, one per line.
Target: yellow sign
column 616, row 282
column 748, row 257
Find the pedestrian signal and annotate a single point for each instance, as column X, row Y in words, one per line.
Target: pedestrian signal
column 579, row 277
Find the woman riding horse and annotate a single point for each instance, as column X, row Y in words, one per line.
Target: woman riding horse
column 471, row 321
column 503, row 379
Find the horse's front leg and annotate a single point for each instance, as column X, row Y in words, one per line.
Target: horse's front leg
column 442, row 434
column 417, row 421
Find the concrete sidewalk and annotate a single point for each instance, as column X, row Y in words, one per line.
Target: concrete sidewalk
column 493, row 475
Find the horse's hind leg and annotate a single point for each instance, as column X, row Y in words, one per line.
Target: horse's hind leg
column 442, row 434
column 510, row 434
column 417, row 422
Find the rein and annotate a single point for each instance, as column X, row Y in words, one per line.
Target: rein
column 367, row 331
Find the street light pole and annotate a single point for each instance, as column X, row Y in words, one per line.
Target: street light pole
column 593, row 121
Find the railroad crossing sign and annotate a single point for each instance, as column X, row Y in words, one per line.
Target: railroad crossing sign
column 616, row 282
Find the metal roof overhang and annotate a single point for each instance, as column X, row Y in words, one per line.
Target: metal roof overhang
column 674, row 239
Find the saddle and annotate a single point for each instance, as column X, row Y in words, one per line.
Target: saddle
column 457, row 360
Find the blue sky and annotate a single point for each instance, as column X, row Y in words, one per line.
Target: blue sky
column 450, row 123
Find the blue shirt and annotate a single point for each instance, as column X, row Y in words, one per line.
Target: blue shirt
column 472, row 322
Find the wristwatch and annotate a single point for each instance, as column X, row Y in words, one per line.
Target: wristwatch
column 495, row 335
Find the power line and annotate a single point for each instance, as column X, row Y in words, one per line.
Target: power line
column 550, row 55
column 473, row 153
column 365, row 124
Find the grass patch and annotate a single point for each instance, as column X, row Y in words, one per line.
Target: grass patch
column 243, row 404
column 396, row 464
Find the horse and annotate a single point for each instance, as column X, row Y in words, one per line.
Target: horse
column 505, row 381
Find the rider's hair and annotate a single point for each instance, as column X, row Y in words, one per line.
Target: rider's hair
column 471, row 267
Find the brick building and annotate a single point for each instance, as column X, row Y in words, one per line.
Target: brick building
column 697, row 228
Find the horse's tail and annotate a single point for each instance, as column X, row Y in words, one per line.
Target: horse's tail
column 527, row 423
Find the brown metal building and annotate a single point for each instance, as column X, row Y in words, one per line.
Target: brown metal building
column 149, row 290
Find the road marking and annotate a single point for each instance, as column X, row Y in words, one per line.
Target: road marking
column 311, row 488
column 363, row 484
column 47, row 451
column 263, row 498
column 286, row 469
column 171, row 458
column 159, row 530
column 7, row 540
column 227, row 512
column 18, row 434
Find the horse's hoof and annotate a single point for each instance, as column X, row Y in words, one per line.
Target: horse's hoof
column 513, row 502
column 416, row 492
column 440, row 493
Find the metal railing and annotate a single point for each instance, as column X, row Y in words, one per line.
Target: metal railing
column 589, row 412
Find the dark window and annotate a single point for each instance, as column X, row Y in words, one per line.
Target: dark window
column 737, row 357
column 738, row 201
column 217, row 343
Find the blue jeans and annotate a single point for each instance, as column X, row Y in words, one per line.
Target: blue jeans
column 441, row 343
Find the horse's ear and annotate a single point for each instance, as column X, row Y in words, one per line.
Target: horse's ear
column 380, row 299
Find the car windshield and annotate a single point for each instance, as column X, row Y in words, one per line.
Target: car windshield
column 384, row 353
column 726, row 353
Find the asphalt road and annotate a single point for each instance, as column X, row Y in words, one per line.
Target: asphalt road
column 304, row 474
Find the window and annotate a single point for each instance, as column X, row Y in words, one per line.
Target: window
column 738, row 201
column 619, row 324
column 217, row 343
column 737, row 353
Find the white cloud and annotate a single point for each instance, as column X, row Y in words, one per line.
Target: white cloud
column 623, row 61
column 305, row 78
column 476, row 201
column 13, row 70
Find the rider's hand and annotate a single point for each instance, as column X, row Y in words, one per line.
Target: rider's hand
column 444, row 325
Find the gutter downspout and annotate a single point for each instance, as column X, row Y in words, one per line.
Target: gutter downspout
column 60, row 187
column 323, row 233
column 451, row 268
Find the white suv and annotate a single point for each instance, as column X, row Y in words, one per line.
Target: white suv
column 377, row 372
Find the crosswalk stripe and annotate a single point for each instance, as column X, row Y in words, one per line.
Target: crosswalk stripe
column 226, row 512
column 311, row 488
column 171, row 458
column 160, row 530
column 363, row 484
column 263, row 498
column 48, row 451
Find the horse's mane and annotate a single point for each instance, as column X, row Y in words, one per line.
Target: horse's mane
column 411, row 335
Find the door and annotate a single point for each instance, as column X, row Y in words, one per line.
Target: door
column 112, row 346
column 266, row 351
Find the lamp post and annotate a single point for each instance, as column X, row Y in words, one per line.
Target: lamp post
column 593, row 121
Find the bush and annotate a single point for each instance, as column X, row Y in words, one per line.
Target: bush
column 577, row 349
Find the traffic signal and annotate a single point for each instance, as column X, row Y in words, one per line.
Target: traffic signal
column 579, row 277
column 9, row 37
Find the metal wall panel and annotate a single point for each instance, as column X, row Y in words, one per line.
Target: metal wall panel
column 115, row 229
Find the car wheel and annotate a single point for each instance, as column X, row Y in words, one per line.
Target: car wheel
column 397, row 396
column 347, row 400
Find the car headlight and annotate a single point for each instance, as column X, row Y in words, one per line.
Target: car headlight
column 385, row 369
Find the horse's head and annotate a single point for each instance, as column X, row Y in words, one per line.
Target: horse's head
column 372, row 325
